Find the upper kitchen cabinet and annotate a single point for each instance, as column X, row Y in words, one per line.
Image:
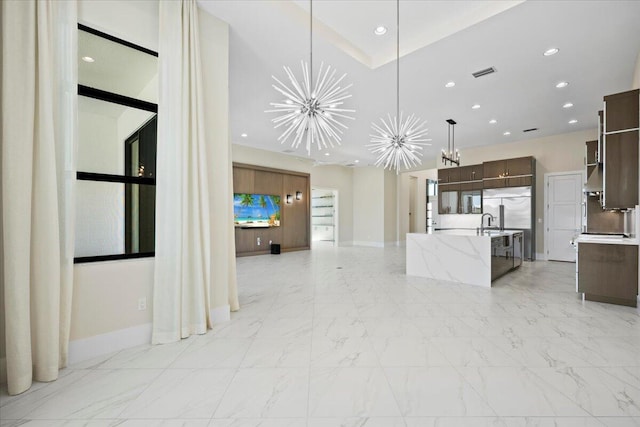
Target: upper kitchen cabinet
column 494, row 174
column 520, row 166
column 448, row 199
column 471, row 173
column 599, row 157
column 516, row 172
column 448, row 176
column 621, row 170
column 621, row 122
column 621, row 111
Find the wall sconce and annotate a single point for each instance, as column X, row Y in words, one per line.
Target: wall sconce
column 289, row 199
column 298, row 195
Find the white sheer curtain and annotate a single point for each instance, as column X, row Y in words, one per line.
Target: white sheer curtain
column 38, row 151
column 181, row 303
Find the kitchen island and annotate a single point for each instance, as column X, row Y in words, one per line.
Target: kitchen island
column 464, row 256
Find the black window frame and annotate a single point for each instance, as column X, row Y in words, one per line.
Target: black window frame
column 126, row 101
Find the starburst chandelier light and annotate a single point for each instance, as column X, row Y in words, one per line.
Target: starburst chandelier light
column 311, row 111
column 400, row 139
column 451, row 155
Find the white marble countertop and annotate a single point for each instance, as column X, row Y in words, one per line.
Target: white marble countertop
column 472, row 233
column 606, row 239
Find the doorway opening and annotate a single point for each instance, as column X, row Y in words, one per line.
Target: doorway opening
column 324, row 216
column 413, row 192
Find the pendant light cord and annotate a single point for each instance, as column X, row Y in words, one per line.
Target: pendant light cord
column 398, row 61
column 311, row 43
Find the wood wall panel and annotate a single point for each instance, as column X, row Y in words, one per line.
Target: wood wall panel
column 295, row 231
column 267, row 183
column 243, row 180
column 296, row 215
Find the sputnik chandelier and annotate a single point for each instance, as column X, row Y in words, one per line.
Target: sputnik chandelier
column 311, row 111
column 400, row 139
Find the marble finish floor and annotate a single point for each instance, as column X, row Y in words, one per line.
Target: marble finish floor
column 342, row 337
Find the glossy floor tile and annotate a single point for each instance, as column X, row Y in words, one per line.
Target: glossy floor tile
column 341, row 337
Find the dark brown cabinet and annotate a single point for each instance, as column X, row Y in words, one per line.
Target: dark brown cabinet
column 608, row 273
column 460, row 189
column 621, row 111
column 621, row 170
column 494, row 169
column 515, row 172
column 600, row 135
column 448, row 199
column 450, row 175
column 471, row 173
column 520, row 166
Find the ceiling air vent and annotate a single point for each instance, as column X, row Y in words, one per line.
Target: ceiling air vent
column 350, row 165
column 484, row 72
column 530, row 130
column 288, row 151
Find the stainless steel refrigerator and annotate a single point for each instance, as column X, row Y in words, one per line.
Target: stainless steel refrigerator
column 519, row 212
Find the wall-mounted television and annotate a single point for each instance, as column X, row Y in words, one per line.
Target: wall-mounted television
column 256, row 210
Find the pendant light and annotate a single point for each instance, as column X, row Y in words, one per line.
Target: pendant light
column 400, row 139
column 311, row 111
column 451, row 155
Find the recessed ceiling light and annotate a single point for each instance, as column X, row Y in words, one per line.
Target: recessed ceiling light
column 244, row 135
column 567, row 105
column 493, row 121
column 356, row 161
column 380, row 30
column 475, row 106
column 551, row 51
column 326, row 154
column 573, row 121
column 507, row 133
column 562, row 84
column 450, row 84
column 88, row 59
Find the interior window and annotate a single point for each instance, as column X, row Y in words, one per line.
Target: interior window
column 117, row 133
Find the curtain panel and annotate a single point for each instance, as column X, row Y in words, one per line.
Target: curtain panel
column 39, row 44
column 181, row 302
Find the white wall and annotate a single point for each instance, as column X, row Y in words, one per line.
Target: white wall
column 390, row 208
column 328, row 176
column 368, row 202
column 636, row 75
column 557, row 153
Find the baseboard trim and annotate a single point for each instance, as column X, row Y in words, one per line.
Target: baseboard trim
column 220, row 314
column 98, row 345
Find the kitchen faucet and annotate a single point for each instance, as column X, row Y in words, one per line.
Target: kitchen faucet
column 491, row 218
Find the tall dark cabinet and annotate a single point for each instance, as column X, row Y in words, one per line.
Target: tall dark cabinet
column 621, row 124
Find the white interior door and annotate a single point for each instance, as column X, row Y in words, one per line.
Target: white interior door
column 564, row 199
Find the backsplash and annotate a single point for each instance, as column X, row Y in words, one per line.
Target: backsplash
column 471, row 221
